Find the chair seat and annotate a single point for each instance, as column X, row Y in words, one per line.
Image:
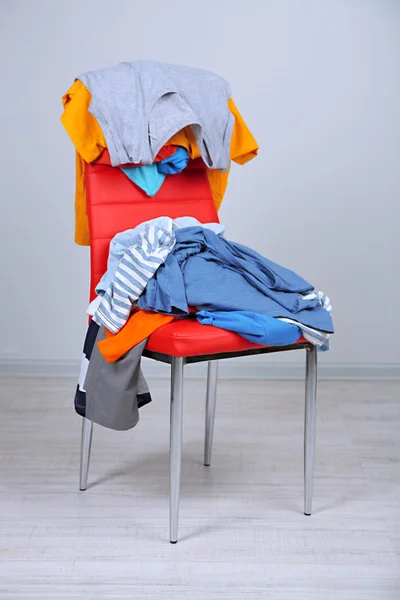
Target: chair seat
column 189, row 338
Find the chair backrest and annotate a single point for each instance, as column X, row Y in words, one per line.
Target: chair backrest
column 115, row 204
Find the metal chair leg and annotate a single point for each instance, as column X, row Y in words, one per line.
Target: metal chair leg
column 86, row 443
column 212, row 376
column 310, row 427
column 175, row 446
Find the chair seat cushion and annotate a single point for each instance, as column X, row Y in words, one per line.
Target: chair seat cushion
column 186, row 337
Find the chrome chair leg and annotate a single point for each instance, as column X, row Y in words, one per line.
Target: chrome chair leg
column 175, row 446
column 310, row 427
column 86, row 443
column 212, row 376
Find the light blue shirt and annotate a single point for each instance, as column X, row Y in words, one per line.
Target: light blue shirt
column 211, row 273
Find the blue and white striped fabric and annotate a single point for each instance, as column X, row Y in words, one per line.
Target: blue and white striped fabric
column 321, row 297
column 316, row 337
column 137, row 266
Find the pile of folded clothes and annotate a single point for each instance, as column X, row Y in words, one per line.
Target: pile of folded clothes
column 167, row 269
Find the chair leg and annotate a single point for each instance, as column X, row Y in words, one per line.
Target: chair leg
column 175, row 446
column 212, row 376
column 86, row 443
column 310, row 427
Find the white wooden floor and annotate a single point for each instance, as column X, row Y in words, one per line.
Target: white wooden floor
column 242, row 534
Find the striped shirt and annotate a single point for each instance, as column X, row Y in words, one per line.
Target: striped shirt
column 137, row 266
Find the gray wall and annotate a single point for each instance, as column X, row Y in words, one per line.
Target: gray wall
column 318, row 84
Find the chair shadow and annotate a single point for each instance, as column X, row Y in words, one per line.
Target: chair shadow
column 151, row 472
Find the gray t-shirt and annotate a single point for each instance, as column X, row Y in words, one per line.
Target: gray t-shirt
column 140, row 105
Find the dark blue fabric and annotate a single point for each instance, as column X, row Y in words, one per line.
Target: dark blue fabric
column 260, row 329
column 90, row 339
column 175, row 163
column 209, row 272
column 80, row 394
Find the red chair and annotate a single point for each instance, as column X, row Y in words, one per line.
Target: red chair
column 115, row 204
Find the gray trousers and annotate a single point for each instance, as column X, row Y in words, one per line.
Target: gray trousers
column 114, row 391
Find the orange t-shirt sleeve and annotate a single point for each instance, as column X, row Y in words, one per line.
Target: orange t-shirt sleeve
column 80, row 124
column 243, row 148
column 88, row 139
column 243, row 144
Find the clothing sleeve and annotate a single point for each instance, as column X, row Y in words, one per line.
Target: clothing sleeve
column 80, row 124
column 139, row 327
column 243, row 144
column 137, row 266
column 243, row 148
column 89, row 142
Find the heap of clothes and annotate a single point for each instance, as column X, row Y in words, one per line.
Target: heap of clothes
column 140, row 113
column 150, row 119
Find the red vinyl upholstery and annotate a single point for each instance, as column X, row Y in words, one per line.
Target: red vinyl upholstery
column 116, row 204
column 189, row 338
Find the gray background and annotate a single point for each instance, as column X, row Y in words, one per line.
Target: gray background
column 317, row 82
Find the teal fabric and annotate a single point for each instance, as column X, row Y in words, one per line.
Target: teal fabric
column 151, row 177
column 148, row 178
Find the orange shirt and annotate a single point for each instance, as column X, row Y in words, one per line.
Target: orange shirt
column 139, row 326
column 88, row 139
